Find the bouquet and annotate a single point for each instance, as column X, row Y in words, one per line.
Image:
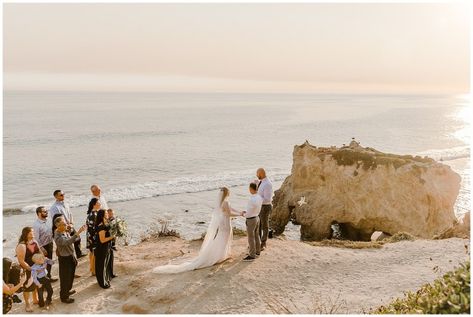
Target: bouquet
column 118, row 227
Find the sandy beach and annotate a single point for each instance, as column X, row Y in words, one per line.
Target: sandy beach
column 288, row 277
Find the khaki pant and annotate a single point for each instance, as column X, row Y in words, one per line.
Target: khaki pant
column 264, row 222
column 252, row 228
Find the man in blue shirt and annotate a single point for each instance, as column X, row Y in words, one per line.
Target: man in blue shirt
column 44, row 235
column 61, row 207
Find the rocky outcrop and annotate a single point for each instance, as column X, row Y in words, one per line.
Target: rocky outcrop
column 461, row 229
column 365, row 190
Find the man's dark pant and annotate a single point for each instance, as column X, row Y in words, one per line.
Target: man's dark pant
column 264, row 223
column 46, row 285
column 76, row 244
column 49, row 248
column 67, row 269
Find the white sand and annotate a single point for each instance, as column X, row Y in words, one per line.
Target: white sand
column 288, row 277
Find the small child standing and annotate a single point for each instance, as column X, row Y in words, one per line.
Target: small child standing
column 39, row 274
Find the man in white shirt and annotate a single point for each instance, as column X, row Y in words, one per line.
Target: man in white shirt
column 97, row 193
column 265, row 190
column 252, row 223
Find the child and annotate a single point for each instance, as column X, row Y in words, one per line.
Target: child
column 111, row 217
column 39, row 274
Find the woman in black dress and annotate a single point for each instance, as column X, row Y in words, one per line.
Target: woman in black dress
column 94, row 207
column 103, row 265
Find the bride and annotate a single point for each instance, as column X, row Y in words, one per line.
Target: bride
column 217, row 242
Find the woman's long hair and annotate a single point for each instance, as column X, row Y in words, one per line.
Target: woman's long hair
column 225, row 192
column 100, row 217
column 92, row 203
column 24, row 235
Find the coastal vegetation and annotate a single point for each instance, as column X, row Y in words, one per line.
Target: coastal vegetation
column 449, row 294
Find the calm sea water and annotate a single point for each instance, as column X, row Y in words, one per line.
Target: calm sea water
column 163, row 156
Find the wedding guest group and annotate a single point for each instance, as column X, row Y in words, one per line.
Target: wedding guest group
column 55, row 228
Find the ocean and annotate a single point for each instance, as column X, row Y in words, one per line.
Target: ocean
column 161, row 157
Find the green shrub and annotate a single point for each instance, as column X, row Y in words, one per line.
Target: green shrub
column 449, row 294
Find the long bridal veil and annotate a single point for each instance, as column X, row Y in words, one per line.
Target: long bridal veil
column 215, row 247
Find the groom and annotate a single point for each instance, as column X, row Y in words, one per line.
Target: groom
column 252, row 223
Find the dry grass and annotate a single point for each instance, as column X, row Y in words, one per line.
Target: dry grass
column 163, row 231
column 331, row 305
column 348, row 244
column 401, row 236
column 239, row 232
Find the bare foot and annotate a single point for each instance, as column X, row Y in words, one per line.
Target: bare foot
column 28, row 309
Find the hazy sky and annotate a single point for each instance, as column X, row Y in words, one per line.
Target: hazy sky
column 237, row 47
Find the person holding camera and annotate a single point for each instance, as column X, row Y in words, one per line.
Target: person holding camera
column 61, row 207
column 9, row 289
column 67, row 260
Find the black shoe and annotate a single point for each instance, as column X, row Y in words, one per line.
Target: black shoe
column 114, row 275
column 257, row 254
column 249, row 259
column 67, row 300
column 72, row 292
column 16, row 299
column 53, row 279
column 114, row 249
column 41, row 304
column 80, row 256
column 47, row 302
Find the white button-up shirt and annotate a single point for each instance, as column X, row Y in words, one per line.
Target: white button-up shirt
column 254, row 206
column 102, row 201
column 265, row 190
column 43, row 232
column 60, row 207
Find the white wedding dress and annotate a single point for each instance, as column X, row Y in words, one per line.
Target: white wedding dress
column 217, row 243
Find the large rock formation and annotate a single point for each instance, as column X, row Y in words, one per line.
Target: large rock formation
column 364, row 190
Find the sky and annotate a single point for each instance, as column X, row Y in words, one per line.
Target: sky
column 295, row 48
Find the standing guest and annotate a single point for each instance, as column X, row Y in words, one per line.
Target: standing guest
column 265, row 190
column 252, row 223
column 103, row 269
column 25, row 250
column 61, row 207
column 9, row 290
column 44, row 235
column 111, row 217
column 94, row 207
column 97, row 193
column 39, row 272
column 67, row 260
